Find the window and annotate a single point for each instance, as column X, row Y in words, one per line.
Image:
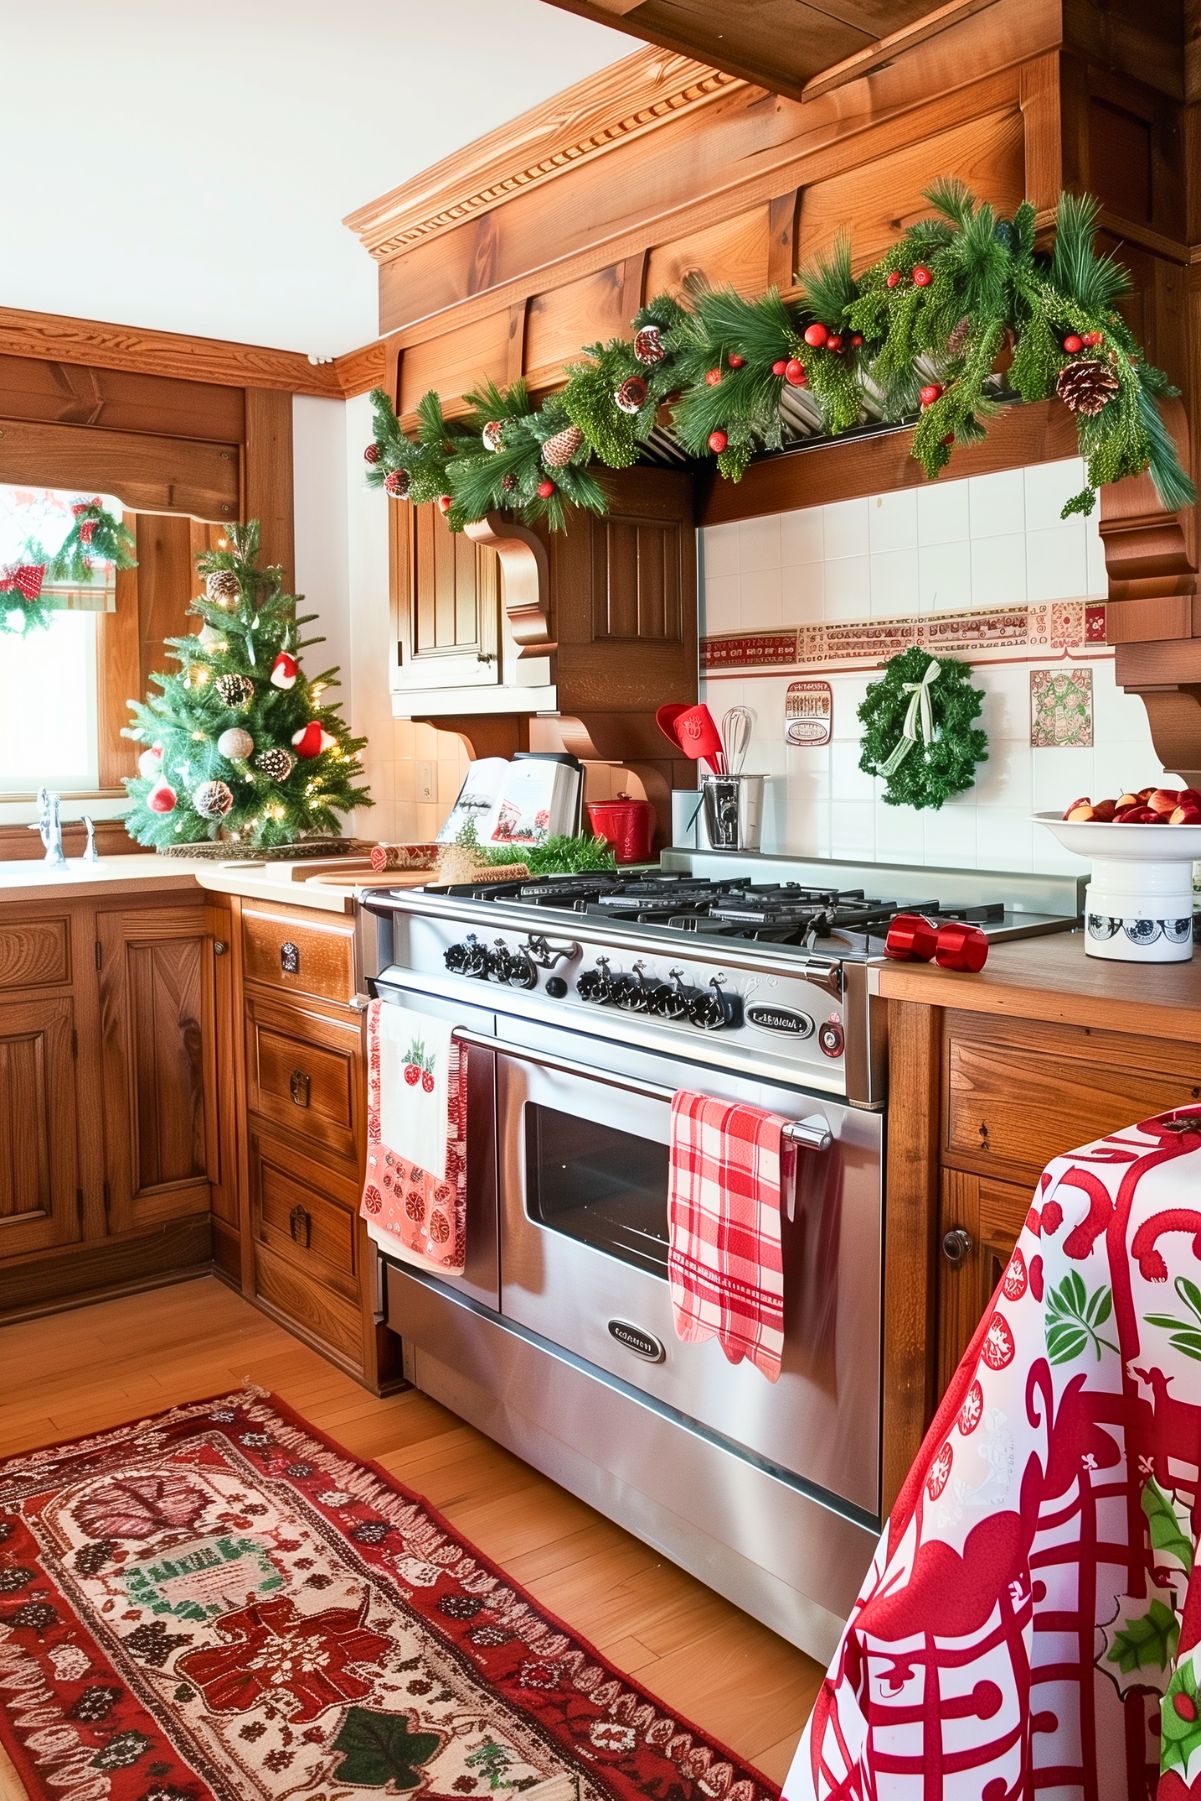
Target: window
column 48, row 678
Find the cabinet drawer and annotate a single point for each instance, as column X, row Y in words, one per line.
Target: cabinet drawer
column 34, row 953
column 1017, row 1095
column 304, row 1213
column 298, row 953
column 303, row 1073
column 319, row 1314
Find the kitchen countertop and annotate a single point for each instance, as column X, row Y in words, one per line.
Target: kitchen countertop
column 33, row 880
column 1050, row 978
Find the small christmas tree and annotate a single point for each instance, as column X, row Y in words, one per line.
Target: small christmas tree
column 239, row 744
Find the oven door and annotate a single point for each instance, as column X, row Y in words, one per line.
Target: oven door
column 582, row 1130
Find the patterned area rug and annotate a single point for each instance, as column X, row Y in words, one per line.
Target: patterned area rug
column 219, row 1604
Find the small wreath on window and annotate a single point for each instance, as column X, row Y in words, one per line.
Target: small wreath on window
column 920, row 737
column 95, row 537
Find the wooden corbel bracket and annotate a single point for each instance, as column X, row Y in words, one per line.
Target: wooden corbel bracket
column 1154, row 612
column 526, row 584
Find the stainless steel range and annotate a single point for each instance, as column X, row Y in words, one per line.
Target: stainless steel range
column 588, row 1001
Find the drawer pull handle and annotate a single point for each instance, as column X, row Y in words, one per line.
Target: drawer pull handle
column 956, row 1246
column 300, row 1225
column 299, row 1085
column 289, row 958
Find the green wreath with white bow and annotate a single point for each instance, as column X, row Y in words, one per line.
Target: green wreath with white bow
column 920, row 735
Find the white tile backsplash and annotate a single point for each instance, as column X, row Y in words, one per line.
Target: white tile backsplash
column 944, row 546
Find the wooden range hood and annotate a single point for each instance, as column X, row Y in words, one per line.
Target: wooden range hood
column 507, row 257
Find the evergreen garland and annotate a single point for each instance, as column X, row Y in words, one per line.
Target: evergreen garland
column 95, row 537
column 921, row 336
column 935, row 766
column 228, row 683
column 23, row 606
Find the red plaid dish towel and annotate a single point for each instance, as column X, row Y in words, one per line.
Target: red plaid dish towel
column 415, row 1212
column 728, row 1167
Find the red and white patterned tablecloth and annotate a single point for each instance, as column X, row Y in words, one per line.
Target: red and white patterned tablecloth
column 1031, row 1622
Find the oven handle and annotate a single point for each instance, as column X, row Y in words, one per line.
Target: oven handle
column 813, row 1133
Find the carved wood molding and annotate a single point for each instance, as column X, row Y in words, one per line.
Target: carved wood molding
column 612, row 107
column 526, row 573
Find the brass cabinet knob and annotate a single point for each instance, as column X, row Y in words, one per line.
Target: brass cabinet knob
column 957, row 1245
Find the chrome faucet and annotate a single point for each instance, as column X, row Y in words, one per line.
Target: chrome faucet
column 91, row 854
column 50, row 826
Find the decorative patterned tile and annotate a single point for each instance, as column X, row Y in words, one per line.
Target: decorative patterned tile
column 984, row 634
column 809, row 713
column 1061, row 709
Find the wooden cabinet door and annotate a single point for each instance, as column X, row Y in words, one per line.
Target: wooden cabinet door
column 158, row 1066
column 979, row 1221
column 40, row 1203
column 446, row 604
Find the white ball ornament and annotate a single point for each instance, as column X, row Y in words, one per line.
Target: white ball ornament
column 150, row 764
column 235, row 744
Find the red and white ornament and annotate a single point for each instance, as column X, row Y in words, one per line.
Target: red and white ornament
column 312, row 739
column 161, row 798
column 284, row 671
column 493, row 434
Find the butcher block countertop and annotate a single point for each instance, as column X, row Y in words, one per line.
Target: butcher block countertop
column 1050, row 978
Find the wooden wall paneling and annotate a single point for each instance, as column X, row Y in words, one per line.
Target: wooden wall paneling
column 736, row 252
column 748, row 149
column 151, row 474
column 267, row 477
column 560, row 320
column 165, row 584
column 911, row 1217
column 1043, row 133
column 857, row 465
column 455, row 361
column 1147, row 41
column 53, row 393
column 886, row 49
column 57, row 338
column 782, row 219
column 876, row 200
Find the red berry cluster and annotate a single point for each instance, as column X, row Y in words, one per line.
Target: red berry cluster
column 919, row 275
column 1089, row 341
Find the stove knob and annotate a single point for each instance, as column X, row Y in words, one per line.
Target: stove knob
column 556, row 987
column 595, row 984
column 498, row 963
column 830, row 1036
column 522, row 973
column 475, row 959
column 632, row 993
column 671, row 1000
column 715, row 1011
column 455, row 959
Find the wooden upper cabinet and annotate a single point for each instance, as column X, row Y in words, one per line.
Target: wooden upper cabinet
column 446, row 605
column 159, row 1076
column 40, row 1205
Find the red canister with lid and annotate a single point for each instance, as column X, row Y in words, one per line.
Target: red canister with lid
column 627, row 824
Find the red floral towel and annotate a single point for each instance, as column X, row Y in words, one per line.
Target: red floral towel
column 723, row 1224
column 412, row 1212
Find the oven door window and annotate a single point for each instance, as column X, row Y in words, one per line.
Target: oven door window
column 603, row 1187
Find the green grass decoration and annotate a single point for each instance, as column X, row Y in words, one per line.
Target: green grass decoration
column 560, row 855
column 957, row 293
column 919, row 768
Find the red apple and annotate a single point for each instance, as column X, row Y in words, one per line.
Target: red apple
column 1082, row 800
column 1186, row 814
column 1122, row 816
column 1143, row 816
column 1190, row 797
column 1127, row 800
column 1082, row 810
column 1104, row 810
column 1164, row 800
column 1144, row 795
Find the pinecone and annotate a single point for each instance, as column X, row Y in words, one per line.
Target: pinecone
column 493, row 434
column 957, row 338
column 222, row 585
column 235, row 690
column 631, row 395
column 213, row 800
column 508, row 482
column 648, row 345
column 277, row 763
column 371, row 454
column 558, row 451
column 396, row 483
column 1086, row 387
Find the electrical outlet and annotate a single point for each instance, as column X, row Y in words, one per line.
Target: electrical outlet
column 427, row 781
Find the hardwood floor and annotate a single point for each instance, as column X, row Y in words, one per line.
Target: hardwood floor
column 74, row 1373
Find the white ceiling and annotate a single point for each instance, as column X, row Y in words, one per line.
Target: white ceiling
column 188, row 166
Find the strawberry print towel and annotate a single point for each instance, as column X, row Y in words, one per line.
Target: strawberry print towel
column 723, row 1227
column 415, row 1189
column 1030, row 1625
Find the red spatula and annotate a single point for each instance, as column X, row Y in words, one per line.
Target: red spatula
column 698, row 737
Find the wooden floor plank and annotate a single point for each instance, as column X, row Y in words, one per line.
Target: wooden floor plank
column 99, row 1366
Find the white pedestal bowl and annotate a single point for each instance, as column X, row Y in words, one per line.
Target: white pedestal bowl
column 1138, row 906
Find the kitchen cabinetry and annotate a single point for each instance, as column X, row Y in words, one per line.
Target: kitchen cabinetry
column 110, row 1121
column 603, row 619
column 310, row 1261
column 980, row 1101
